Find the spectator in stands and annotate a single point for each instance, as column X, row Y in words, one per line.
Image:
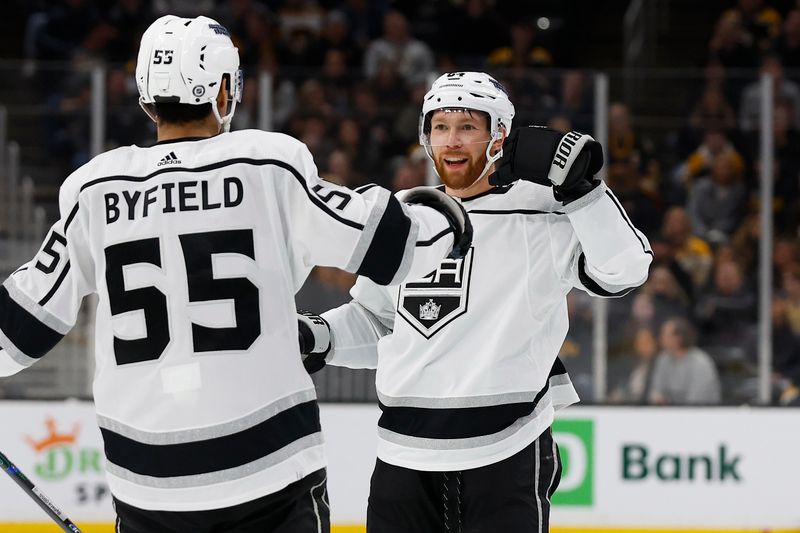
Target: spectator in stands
column 337, row 81
column 128, row 18
column 362, row 150
column 635, row 370
column 727, row 311
column 683, row 373
column 745, row 242
column 406, row 176
column 786, row 164
column 325, row 288
column 303, row 15
column 406, row 120
column 523, row 50
column 639, row 196
column 336, row 36
column 732, row 46
column 624, row 145
column 389, row 88
column 125, row 123
column 71, row 28
column 787, row 45
column 576, row 350
column 715, row 146
column 576, row 101
column 314, row 135
column 256, row 43
column 339, row 169
column 717, row 202
column 785, row 254
column 664, row 252
column 365, row 19
column 485, row 28
column 692, row 253
column 759, row 22
column 785, row 92
column 299, row 53
column 410, row 57
column 712, row 112
column 667, row 295
column 785, row 343
column 790, row 287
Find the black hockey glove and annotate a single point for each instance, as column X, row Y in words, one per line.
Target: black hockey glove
column 315, row 340
column 568, row 161
column 452, row 210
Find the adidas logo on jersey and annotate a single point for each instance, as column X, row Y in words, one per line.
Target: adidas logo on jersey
column 169, row 159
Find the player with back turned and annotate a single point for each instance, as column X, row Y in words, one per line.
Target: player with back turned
column 468, row 378
column 195, row 247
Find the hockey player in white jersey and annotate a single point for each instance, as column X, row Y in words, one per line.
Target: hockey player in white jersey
column 195, row 247
column 468, row 378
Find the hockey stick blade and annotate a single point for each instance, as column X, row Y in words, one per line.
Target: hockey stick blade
column 37, row 495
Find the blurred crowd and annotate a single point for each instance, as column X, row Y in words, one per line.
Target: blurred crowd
column 348, row 80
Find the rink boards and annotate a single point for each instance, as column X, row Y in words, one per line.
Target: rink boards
column 626, row 470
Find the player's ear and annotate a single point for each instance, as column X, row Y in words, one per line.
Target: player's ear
column 498, row 141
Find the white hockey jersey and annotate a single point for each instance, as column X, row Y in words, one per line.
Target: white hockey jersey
column 196, row 248
column 469, row 374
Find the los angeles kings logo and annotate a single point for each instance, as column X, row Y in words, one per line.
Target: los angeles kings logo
column 429, row 304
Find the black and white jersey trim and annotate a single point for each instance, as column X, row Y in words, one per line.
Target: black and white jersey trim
column 387, row 250
column 211, row 455
column 628, row 221
column 465, row 443
column 512, row 212
column 59, row 280
column 465, row 423
column 230, row 162
column 435, row 238
column 455, row 423
column 595, row 287
column 22, row 335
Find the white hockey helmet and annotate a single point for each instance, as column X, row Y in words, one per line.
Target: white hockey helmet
column 468, row 90
column 183, row 60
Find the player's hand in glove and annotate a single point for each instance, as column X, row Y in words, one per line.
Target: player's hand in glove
column 452, row 210
column 568, row 161
column 315, row 340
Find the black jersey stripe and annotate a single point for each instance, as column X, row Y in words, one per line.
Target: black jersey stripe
column 213, row 455
column 70, row 218
column 455, row 423
column 32, row 337
column 226, row 163
column 628, row 221
column 512, row 212
column 56, row 285
column 593, row 286
column 388, row 246
column 435, row 238
column 365, row 188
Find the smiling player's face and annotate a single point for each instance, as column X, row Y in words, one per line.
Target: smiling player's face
column 458, row 140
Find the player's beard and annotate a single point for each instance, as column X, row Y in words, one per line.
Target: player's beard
column 461, row 178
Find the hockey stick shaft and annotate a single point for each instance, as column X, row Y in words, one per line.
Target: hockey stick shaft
column 37, row 495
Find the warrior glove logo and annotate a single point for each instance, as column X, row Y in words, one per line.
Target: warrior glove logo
column 429, row 304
